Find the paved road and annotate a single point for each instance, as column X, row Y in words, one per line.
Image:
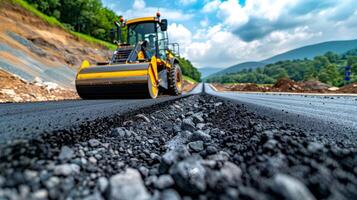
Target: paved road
column 25, row 120
column 334, row 115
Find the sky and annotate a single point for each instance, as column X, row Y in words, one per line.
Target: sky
column 221, row 33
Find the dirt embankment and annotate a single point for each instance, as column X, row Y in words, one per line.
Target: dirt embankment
column 15, row 89
column 188, row 85
column 35, row 51
column 286, row 85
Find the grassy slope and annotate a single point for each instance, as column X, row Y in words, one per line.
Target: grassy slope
column 189, row 79
column 53, row 21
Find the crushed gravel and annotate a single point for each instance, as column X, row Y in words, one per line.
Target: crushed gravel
column 198, row 147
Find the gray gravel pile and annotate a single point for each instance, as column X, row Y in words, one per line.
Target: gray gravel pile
column 198, row 147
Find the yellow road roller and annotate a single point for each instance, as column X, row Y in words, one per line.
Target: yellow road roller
column 143, row 64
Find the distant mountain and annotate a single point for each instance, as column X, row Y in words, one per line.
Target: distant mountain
column 309, row 51
column 241, row 66
column 206, row 71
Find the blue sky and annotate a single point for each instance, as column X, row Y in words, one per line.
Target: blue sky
column 220, row 33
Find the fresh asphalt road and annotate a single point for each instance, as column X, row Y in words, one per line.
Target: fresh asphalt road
column 335, row 117
column 327, row 115
column 27, row 120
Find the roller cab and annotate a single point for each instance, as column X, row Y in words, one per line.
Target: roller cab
column 141, row 66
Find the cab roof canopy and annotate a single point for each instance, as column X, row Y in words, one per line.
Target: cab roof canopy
column 142, row 19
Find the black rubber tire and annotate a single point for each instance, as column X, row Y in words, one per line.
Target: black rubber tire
column 173, row 78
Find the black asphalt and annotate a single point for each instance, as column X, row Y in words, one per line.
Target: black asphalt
column 27, row 120
column 331, row 117
column 324, row 116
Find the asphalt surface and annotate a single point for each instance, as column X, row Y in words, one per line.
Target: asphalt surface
column 27, row 120
column 198, row 147
column 329, row 116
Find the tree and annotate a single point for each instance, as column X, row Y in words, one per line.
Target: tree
column 85, row 16
column 354, row 69
column 188, row 69
column 351, row 60
column 332, row 57
column 320, row 62
column 330, row 75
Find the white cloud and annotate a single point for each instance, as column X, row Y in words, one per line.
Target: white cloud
column 139, row 4
column 229, row 33
column 139, row 9
column 180, row 34
column 211, row 6
column 232, row 13
column 187, row 2
column 218, row 47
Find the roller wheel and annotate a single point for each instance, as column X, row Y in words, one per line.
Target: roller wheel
column 152, row 84
column 175, row 80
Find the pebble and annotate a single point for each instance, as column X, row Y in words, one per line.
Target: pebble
column 155, row 157
column 40, row 194
column 120, row 132
column 228, row 175
column 94, row 142
column 92, row 160
column 189, row 175
column 127, row 186
column 66, row 153
column 314, row 147
column 144, row 171
column 200, row 125
column 291, row 188
column 164, row 181
column 188, row 125
column 66, row 169
column 52, row 182
column 211, row 149
column 143, row 117
column 270, row 144
column 197, row 146
column 170, row 194
column 197, row 118
column 200, row 135
column 218, row 104
column 102, row 184
column 173, row 156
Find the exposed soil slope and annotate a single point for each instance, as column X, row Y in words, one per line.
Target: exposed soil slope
column 32, row 49
column 286, row 85
column 14, row 89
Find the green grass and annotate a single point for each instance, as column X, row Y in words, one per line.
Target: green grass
column 93, row 40
column 189, row 79
column 54, row 22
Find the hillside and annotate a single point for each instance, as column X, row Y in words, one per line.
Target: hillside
column 206, row 71
column 309, row 51
column 33, row 50
column 328, row 68
column 239, row 67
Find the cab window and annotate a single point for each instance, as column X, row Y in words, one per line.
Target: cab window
column 140, row 32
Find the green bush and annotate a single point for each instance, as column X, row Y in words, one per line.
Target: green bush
column 188, row 69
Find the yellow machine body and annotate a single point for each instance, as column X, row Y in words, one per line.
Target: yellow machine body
column 132, row 71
